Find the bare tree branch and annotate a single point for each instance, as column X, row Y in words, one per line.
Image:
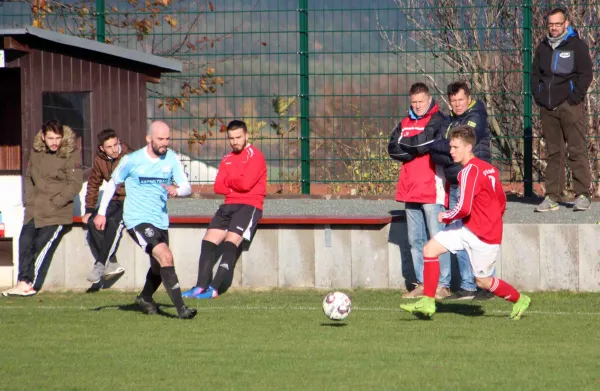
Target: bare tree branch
column 482, row 42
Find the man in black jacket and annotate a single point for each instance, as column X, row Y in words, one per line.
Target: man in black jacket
column 470, row 112
column 560, row 77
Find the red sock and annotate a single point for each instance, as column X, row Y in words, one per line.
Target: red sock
column 504, row 290
column 431, row 275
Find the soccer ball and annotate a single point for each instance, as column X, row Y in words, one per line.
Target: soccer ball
column 337, row 306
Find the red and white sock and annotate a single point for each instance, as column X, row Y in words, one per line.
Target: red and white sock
column 431, row 275
column 504, row 290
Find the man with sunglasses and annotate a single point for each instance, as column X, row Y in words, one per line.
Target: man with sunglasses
column 560, row 77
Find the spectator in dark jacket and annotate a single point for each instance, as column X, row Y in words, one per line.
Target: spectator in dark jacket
column 469, row 112
column 561, row 74
column 465, row 111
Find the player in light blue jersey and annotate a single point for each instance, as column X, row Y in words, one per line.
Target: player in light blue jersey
column 146, row 179
column 148, row 174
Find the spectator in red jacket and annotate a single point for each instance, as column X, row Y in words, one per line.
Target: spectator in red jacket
column 242, row 179
column 421, row 185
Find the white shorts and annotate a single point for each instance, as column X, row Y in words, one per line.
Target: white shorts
column 482, row 255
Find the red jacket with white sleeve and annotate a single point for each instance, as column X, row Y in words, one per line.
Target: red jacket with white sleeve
column 482, row 201
column 242, row 177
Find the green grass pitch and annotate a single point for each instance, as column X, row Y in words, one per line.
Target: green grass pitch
column 280, row 340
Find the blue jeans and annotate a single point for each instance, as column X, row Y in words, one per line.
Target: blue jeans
column 467, row 279
column 421, row 219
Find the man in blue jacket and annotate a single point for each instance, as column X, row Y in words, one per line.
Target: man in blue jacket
column 561, row 74
column 470, row 112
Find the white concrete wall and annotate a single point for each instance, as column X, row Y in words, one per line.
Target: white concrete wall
column 11, row 206
column 11, row 203
column 197, row 171
column 533, row 257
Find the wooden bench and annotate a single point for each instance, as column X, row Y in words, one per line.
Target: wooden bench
column 293, row 220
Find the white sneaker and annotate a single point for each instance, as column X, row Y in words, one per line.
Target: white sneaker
column 21, row 289
column 112, row 270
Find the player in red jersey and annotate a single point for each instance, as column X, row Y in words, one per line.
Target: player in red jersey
column 481, row 206
column 242, row 179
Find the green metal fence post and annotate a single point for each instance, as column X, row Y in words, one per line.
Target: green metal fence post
column 100, row 27
column 304, row 98
column 527, row 101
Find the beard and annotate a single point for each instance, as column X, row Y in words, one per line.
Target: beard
column 158, row 150
column 52, row 148
column 238, row 149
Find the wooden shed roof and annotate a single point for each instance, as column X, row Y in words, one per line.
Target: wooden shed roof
column 149, row 60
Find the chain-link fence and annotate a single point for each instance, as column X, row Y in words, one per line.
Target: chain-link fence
column 321, row 83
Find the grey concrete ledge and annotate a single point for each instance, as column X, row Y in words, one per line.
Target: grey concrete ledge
column 534, row 257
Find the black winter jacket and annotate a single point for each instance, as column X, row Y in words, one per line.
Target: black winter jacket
column 561, row 74
column 475, row 117
column 405, row 149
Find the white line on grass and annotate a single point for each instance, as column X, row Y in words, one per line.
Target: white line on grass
column 109, row 307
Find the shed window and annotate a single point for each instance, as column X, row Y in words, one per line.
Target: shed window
column 74, row 110
column 10, row 121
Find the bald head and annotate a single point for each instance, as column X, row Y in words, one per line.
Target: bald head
column 156, row 126
column 158, row 137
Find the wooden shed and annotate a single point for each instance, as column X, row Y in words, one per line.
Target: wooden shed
column 85, row 84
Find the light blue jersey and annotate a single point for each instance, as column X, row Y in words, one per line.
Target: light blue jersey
column 146, row 200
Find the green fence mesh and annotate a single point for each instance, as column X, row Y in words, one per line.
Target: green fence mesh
column 322, row 83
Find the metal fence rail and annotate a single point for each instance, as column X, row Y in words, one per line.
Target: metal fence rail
column 322, row 83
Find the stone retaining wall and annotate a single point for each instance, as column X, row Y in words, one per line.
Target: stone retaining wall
column 533, row 258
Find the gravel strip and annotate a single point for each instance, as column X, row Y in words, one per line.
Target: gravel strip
column 518, row 211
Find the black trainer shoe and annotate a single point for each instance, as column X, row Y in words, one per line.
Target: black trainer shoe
column 462, row 294
column 187, row 313
column 483, row 295
column 148, row 307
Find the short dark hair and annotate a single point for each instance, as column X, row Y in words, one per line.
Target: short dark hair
column 418, row 88
column 558, row 10
column 464, row 133
column 454, row 88
column 237, row 124
column 106, row 134
column 53, row 126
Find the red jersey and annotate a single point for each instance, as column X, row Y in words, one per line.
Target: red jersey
column 482, row 201
column 242, row 177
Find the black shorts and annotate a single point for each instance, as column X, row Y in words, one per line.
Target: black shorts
column 239, row 218
column 148, row 236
